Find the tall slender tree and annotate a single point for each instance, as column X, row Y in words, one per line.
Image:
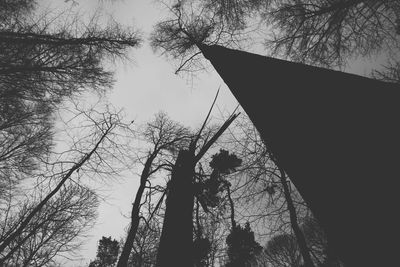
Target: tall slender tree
column 165, row 136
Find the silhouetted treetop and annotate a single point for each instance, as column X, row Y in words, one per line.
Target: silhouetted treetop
column 242, row 246
column 107, row 253
column 282, row 250
column 225, row 162
column 190, row 25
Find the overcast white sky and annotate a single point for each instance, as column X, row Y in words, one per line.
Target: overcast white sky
column 143, row 88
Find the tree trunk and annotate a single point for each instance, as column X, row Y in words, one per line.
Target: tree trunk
column 233, row 222
column 301, row 241
column 176, row 243
column 336, row 135
column 126, row 251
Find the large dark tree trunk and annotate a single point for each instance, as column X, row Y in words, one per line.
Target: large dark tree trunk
column 177, row 234
column 176, row 242
column 337, row 137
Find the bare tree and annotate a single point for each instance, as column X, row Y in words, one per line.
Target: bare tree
column 165, row 136
column 93, row 154
column 25, row 140
column 282, row 250
column 328, row 32
column 189, row 27
column 54, row 231
column 45, row 59
column 145, row 246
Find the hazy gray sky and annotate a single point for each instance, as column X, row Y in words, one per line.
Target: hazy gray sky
column 143, row 88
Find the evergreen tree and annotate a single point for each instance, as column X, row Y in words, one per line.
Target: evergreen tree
column 242, row 246
column 107, row 253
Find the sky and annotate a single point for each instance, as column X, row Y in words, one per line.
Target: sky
column 144, row 87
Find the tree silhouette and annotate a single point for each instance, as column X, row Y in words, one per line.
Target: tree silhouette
column 242, row 246
column 282, row 250
column 145, row 245
column 328, row 32
column 107, row 253
column 44, row 60
column 56, row 230
column 178, row 219
column 181, row 36
column 224, row 162
column 165, row 136
column 86, row 157
column 25, row 140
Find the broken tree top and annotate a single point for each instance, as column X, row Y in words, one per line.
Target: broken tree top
column 337, row 137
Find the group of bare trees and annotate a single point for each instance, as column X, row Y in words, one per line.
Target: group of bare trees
column 54, row 230
column 48, row 212
column 232, row 203
column 218, row 200
column 175, row 151
column 47, row 60
column 220, row 206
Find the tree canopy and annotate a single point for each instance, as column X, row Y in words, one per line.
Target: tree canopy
column 323, row 33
